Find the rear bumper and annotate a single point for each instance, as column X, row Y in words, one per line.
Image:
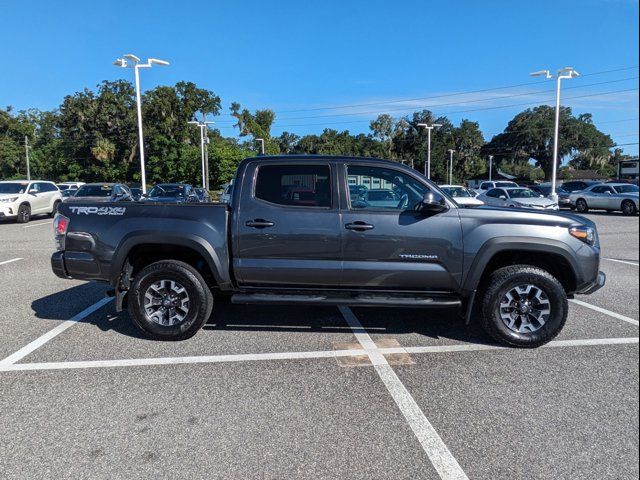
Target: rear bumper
column 78, row 265
column 57, row 265
column 594, row 286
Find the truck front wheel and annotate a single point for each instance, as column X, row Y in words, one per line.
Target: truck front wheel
column 524, row 306
column 169, row 300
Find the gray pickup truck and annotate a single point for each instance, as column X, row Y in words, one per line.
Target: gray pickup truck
column 304, row 230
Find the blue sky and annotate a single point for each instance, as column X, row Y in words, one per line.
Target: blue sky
column 297, row 57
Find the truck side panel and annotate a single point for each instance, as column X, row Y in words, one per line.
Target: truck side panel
column 100, row 238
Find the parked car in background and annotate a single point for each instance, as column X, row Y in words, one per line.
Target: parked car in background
column 21, row 199
column 136, row 193
column 381, row 197
column 203, row 195
column 172, row 193
column 564, row 199
column 69, row 185
column 517, row 198
column 607, row 196
column 226, row 194
column 463, row 196
column 69, row 192
column 101, row 192
column 488, row 185
column 577, row 185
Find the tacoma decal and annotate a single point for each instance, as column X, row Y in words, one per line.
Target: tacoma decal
column 98, row 210
column 418, row 256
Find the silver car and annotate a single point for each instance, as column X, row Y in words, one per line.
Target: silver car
column 517, row 198
column 607, row 196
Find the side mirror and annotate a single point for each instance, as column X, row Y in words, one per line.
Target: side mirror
column 432, row 202
column 33, row 191
column 502, row 197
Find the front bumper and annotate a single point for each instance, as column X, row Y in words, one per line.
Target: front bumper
column 8, row 210
column 594, row 286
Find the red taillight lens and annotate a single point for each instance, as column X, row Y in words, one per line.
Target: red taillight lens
column 61, row 224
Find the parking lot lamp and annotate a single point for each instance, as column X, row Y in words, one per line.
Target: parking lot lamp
column 490, row 167
column 427, row 167
column 450, row 165
column 565, row 73
column 131, row 61
column 204, row 141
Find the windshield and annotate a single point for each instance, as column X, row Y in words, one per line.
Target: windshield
column 167, row 191
column 94, row 191
column 523, row 193
column 506, row 184
column 626, row 189
column 19, row 188
column 457, row 192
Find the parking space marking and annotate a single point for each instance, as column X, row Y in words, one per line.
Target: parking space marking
column 555, row 344
column 38, row 342
column 442, row 459
column 11, row 261
column 134, row 362
column 38, row 224
column 626, row 262
column 256, row 357
column 605, row 311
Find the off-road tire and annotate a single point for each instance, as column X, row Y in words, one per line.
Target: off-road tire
column 502, row 281
column 200, row 300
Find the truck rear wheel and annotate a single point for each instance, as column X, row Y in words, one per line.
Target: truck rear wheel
column 169, row 300
column 524, row 306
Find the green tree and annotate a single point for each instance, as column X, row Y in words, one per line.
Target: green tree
column 529, row 135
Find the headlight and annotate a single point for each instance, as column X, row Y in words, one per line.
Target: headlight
column 8, row 200
column 586, row 234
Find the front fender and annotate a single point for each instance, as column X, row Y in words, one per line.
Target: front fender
column 497, row 245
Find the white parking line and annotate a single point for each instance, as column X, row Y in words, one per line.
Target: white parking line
column 605, row 311
column 38, row 224
column 11, row 261
column 621, row 261
column 255, row 357
column 38, row 342
column 443, row 461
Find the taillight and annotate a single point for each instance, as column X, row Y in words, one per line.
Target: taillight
column 60, row 227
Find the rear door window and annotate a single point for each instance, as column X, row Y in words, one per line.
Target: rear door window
column 295, row 185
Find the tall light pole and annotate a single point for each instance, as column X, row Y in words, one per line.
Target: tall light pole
column 204, row 140
column 490, row 167
column 26, row 152
column 427, row 167
column 565, row 73
column 131, row 61
column 451, row 165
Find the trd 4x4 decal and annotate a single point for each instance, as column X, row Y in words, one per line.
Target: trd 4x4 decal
column 98, row 210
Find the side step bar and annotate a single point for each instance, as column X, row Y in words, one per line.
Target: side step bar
column 358, row 300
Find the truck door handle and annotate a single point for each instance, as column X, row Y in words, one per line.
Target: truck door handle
column 358, row 226
column 259, row 223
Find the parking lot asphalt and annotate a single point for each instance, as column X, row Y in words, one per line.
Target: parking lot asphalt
column 302, row 392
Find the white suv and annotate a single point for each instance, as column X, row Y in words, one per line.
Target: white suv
column 20, row 199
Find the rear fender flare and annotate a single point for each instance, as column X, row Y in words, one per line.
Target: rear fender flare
column 194, row 242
